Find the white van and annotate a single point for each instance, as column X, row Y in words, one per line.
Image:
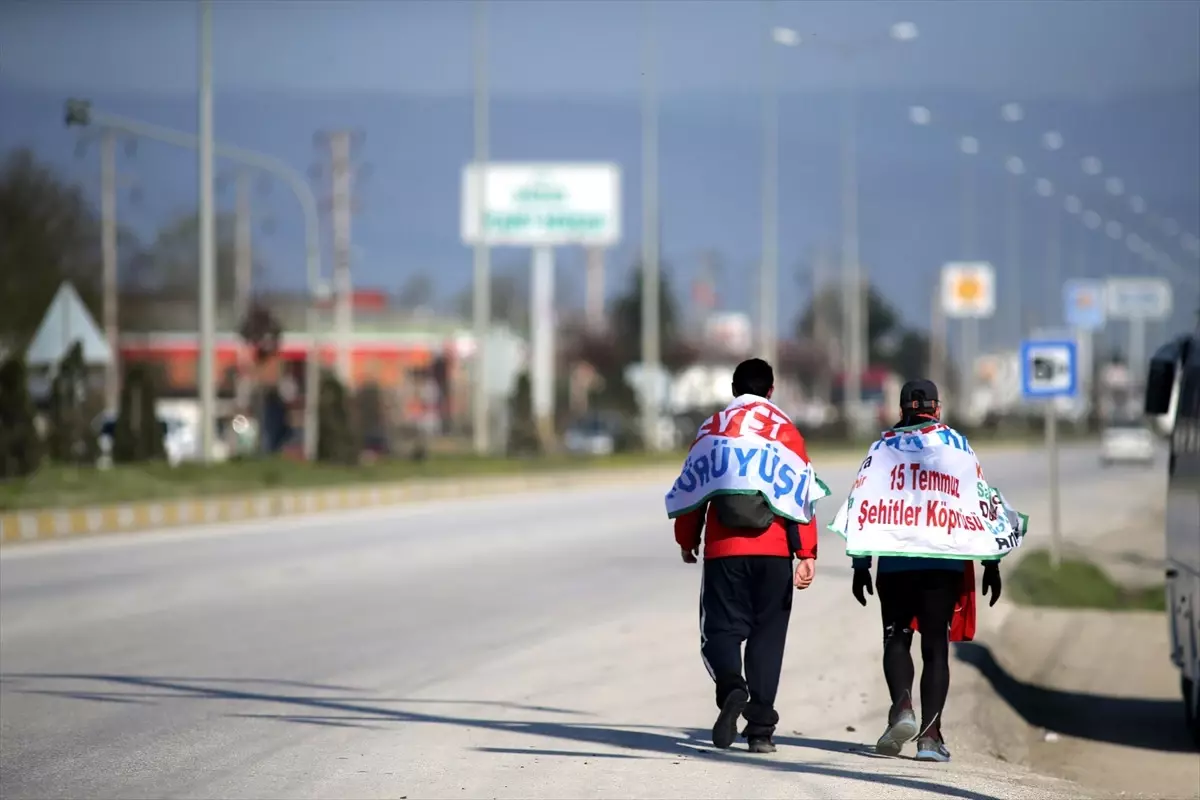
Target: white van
column 1176, row 368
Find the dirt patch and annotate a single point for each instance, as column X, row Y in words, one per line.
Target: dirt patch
column 1089, row 696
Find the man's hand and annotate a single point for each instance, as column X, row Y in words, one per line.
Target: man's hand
column 806, row 570
column 992, row 585
column 689, row 556
column 862, row 582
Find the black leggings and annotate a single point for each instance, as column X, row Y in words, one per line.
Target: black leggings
column 929, row 596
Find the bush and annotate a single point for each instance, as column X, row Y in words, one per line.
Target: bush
column 1077, row 584
column 20, row 445
column 139, row 433
column 71, row 439
column 522, row 433
column 336, row 441
column 262, row 331
column 371, row 418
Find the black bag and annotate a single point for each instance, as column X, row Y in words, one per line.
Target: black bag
column 748, row 512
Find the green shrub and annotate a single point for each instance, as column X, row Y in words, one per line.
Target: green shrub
column 20, row 445
column 71, row 439
column 1077, row 584
column 522, row 432
column 336, row 441
column 139, row 433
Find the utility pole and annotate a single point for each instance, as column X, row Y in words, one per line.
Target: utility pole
column 339, row 146
column 208, row 271
column 853, row 316
column 651, row 344
column 1016, row 168
column 969, row 146
column 937, row 337
column 1053, row 300
column 243, row 257
column 108, row 246
column 768, row 299
column 594, row 300
column 243, row 247
column 820, row 272
column 482, row 292
column 79, row 112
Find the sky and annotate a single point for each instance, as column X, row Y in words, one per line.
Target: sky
column 1120, row 79
column 1081, row 48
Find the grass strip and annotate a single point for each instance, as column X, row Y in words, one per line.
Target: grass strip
column 61, row 487
column 1077, row 583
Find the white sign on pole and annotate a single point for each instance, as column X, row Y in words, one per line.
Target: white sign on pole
column 542, row 204
column 1138, row 298
column 968, row 290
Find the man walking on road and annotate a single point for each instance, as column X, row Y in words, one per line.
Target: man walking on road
column 933, row 592
column 748, row 578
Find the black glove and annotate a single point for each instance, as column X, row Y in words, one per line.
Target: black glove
column 862, row 580
column 992, row 585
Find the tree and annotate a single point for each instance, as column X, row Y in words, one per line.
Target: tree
column 139, row 433
column 263, row 334
column 522, row 433
column 20, row 445
column 626, row 316
column 171, row 262
column 336, row 441
column 261, row 331
column 71, row 440
column 417, row 292
column 889, row 342
column 510, row 295
column 48, row 234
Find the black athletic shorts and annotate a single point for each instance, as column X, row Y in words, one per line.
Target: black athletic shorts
column 928, row 595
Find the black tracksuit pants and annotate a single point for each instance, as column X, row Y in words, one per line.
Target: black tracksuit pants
column 746, row 599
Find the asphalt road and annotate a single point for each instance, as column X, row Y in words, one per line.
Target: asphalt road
column 530, row 646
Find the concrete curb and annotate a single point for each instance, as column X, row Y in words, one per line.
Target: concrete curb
column 42, row 525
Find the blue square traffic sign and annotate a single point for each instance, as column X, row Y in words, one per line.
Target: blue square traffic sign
column 1049, row 369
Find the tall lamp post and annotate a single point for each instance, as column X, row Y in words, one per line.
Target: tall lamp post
column 854, row 312
column 482, row 294
column 768, row 281
column 651, row 341
column 968, row 146
column 1015, row 167
column 80, row 113
column 207, row 244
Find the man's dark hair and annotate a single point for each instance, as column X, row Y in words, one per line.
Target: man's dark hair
column 753, row 376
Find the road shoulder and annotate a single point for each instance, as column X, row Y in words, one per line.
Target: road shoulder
column 1088, row 696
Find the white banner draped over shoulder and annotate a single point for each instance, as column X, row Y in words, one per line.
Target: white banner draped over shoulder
column 750, row 447
column 921, row 492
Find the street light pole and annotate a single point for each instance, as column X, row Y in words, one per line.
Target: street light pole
column 482, row 292
column 208, row 272
column 854, row 314
column 80, row 112
column 108, row 247
column 769, row 268
column 1016, row 168
column 1053, row 291
column 969, row 146
column 853, row 318
column 651, row 344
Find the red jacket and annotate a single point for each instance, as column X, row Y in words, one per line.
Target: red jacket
column 721, row 542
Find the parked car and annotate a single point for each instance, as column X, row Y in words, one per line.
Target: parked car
column 593, row 436
column 1127, row 441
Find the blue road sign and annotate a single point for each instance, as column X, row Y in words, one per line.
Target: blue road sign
column 1084, row 304
column 1049, row 369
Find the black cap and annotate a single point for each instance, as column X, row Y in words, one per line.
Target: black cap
column 918, row 395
